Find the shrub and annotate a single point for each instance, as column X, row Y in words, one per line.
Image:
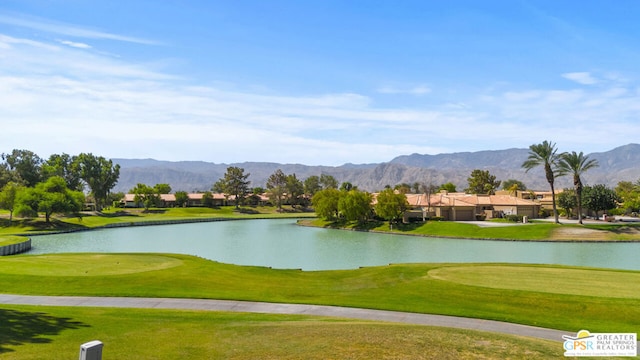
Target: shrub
column 514, row 218
column 544, row 213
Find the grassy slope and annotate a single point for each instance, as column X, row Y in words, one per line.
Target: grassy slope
column 407, row 287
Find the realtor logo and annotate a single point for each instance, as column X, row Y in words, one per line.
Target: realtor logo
column 600, row 344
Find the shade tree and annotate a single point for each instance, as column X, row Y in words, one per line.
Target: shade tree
column 65, row 166
column 355, row 205
column 599, row 198
column 294, row 190
column 391, row 205
column 8, row 196
column 100, row 175
column 146, row 195
column 49, row 197
column 482, row 182
column 277, row 187
column 26, row 165
column 234, row 182
column 182, row 198
column 629, row 194
column 325, row 203
column 328, row 181
column 567, row 201
column 448, row 187
column 513, row 185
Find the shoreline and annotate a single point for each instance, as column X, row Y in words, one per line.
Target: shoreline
column 594, row 241
column 305, row 221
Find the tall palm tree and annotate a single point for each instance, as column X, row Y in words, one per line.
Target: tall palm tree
column 545, row 154
column 577, row 164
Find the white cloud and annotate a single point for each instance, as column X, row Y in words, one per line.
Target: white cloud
column 416, row 90
column 78, row 45
column 583, row 78
column 58, row 99
column 60, row 28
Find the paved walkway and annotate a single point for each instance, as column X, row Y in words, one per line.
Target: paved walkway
column 298, row 309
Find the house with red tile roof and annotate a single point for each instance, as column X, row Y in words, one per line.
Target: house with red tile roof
column 468, row 207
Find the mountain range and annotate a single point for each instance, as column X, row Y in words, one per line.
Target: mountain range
column 619, row 164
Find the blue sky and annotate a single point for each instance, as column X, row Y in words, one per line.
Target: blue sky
column 316, row 82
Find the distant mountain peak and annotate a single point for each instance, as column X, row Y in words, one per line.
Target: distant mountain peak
column 621, row 163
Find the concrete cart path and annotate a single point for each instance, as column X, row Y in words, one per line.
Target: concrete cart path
column 298, row 309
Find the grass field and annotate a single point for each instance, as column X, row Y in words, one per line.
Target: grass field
column 498, row 293
column 28, row 332
column 125, row 216
column 537, row 231
column 565, row 298
column 11, row 239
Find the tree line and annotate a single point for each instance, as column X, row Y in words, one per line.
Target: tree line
column 30, row 185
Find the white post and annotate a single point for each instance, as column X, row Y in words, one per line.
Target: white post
column 91, row 350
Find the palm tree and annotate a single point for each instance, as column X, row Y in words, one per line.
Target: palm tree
column 545, row 155
column 576, row 164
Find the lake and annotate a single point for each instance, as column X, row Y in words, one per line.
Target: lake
column 283, row 244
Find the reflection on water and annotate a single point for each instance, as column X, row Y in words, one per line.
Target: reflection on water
column 283, row 244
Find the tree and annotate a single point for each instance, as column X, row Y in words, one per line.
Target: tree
column 629, row 194
column 482, row 182
column 403, row 188
column 49, row 197
column 599, row 198
column 567, row 201
column 346, row 186
column 162, row 188
column 325, row 203
column 145, row 195
column 448, row 187
column 8, row 197
column 328, row 182
column 100, row 175
column 7, row 176
column 294, row 190
column 207, row 199
column 576, row 164
column 355, row 205
column 545, row 155
column 26, row 164
column 513, row 185
column 234, row 183
column 429, row 189
column 312, row 185
column 277, row 186
column 391, row 205
column 181, row 198
column 65, row 166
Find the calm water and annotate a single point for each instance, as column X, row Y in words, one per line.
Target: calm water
column 283, row 244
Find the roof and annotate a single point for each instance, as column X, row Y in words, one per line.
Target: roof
column 461, row 199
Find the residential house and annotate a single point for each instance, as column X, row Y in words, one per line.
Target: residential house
column 468, row 207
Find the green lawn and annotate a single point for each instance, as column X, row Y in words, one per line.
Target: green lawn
column 11, row 239
column 423, row 288
column 538, row 231
column 28, row 332
column 544, row 231
column 126, row 216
